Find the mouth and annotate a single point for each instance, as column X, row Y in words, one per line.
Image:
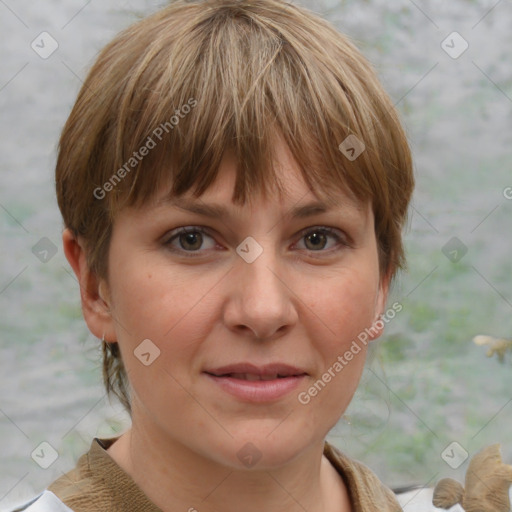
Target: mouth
column 252, row 383
column 252, row 376
column 248, row 371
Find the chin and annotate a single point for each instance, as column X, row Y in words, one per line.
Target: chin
column 264, row 449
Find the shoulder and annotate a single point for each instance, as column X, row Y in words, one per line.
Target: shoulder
column 85, row 485
column 364, row 486
column 369, row 492
column 44, row 502
column 93, row 480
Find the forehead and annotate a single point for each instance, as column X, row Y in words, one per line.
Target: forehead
column 296, row 196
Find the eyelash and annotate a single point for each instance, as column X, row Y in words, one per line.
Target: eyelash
column 323, row 230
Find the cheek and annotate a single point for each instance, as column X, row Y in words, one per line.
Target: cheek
column 346, row 307
column 341, row 313
column 171, row 310
column 160, row 300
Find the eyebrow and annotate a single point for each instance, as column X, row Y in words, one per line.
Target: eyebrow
column 221, row 212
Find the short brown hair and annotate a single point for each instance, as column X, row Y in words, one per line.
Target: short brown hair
column 199, row 78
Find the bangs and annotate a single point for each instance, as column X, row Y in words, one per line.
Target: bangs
column 233, row 82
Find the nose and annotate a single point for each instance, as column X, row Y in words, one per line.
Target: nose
column 261, row 303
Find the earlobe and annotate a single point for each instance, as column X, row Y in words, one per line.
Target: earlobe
column 93, row 290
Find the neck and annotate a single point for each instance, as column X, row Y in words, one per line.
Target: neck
column 199, row 483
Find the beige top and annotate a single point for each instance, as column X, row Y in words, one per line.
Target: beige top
column 98, row 483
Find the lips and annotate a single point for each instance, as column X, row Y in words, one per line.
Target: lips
column 248, row 371
column 253, row 376
column 249, row 383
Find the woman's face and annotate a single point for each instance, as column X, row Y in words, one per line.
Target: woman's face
column 225, row 329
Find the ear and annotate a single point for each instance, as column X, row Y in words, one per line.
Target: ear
column 380, row 304
column 94, row 292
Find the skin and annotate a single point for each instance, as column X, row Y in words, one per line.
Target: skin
column 301, row 302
